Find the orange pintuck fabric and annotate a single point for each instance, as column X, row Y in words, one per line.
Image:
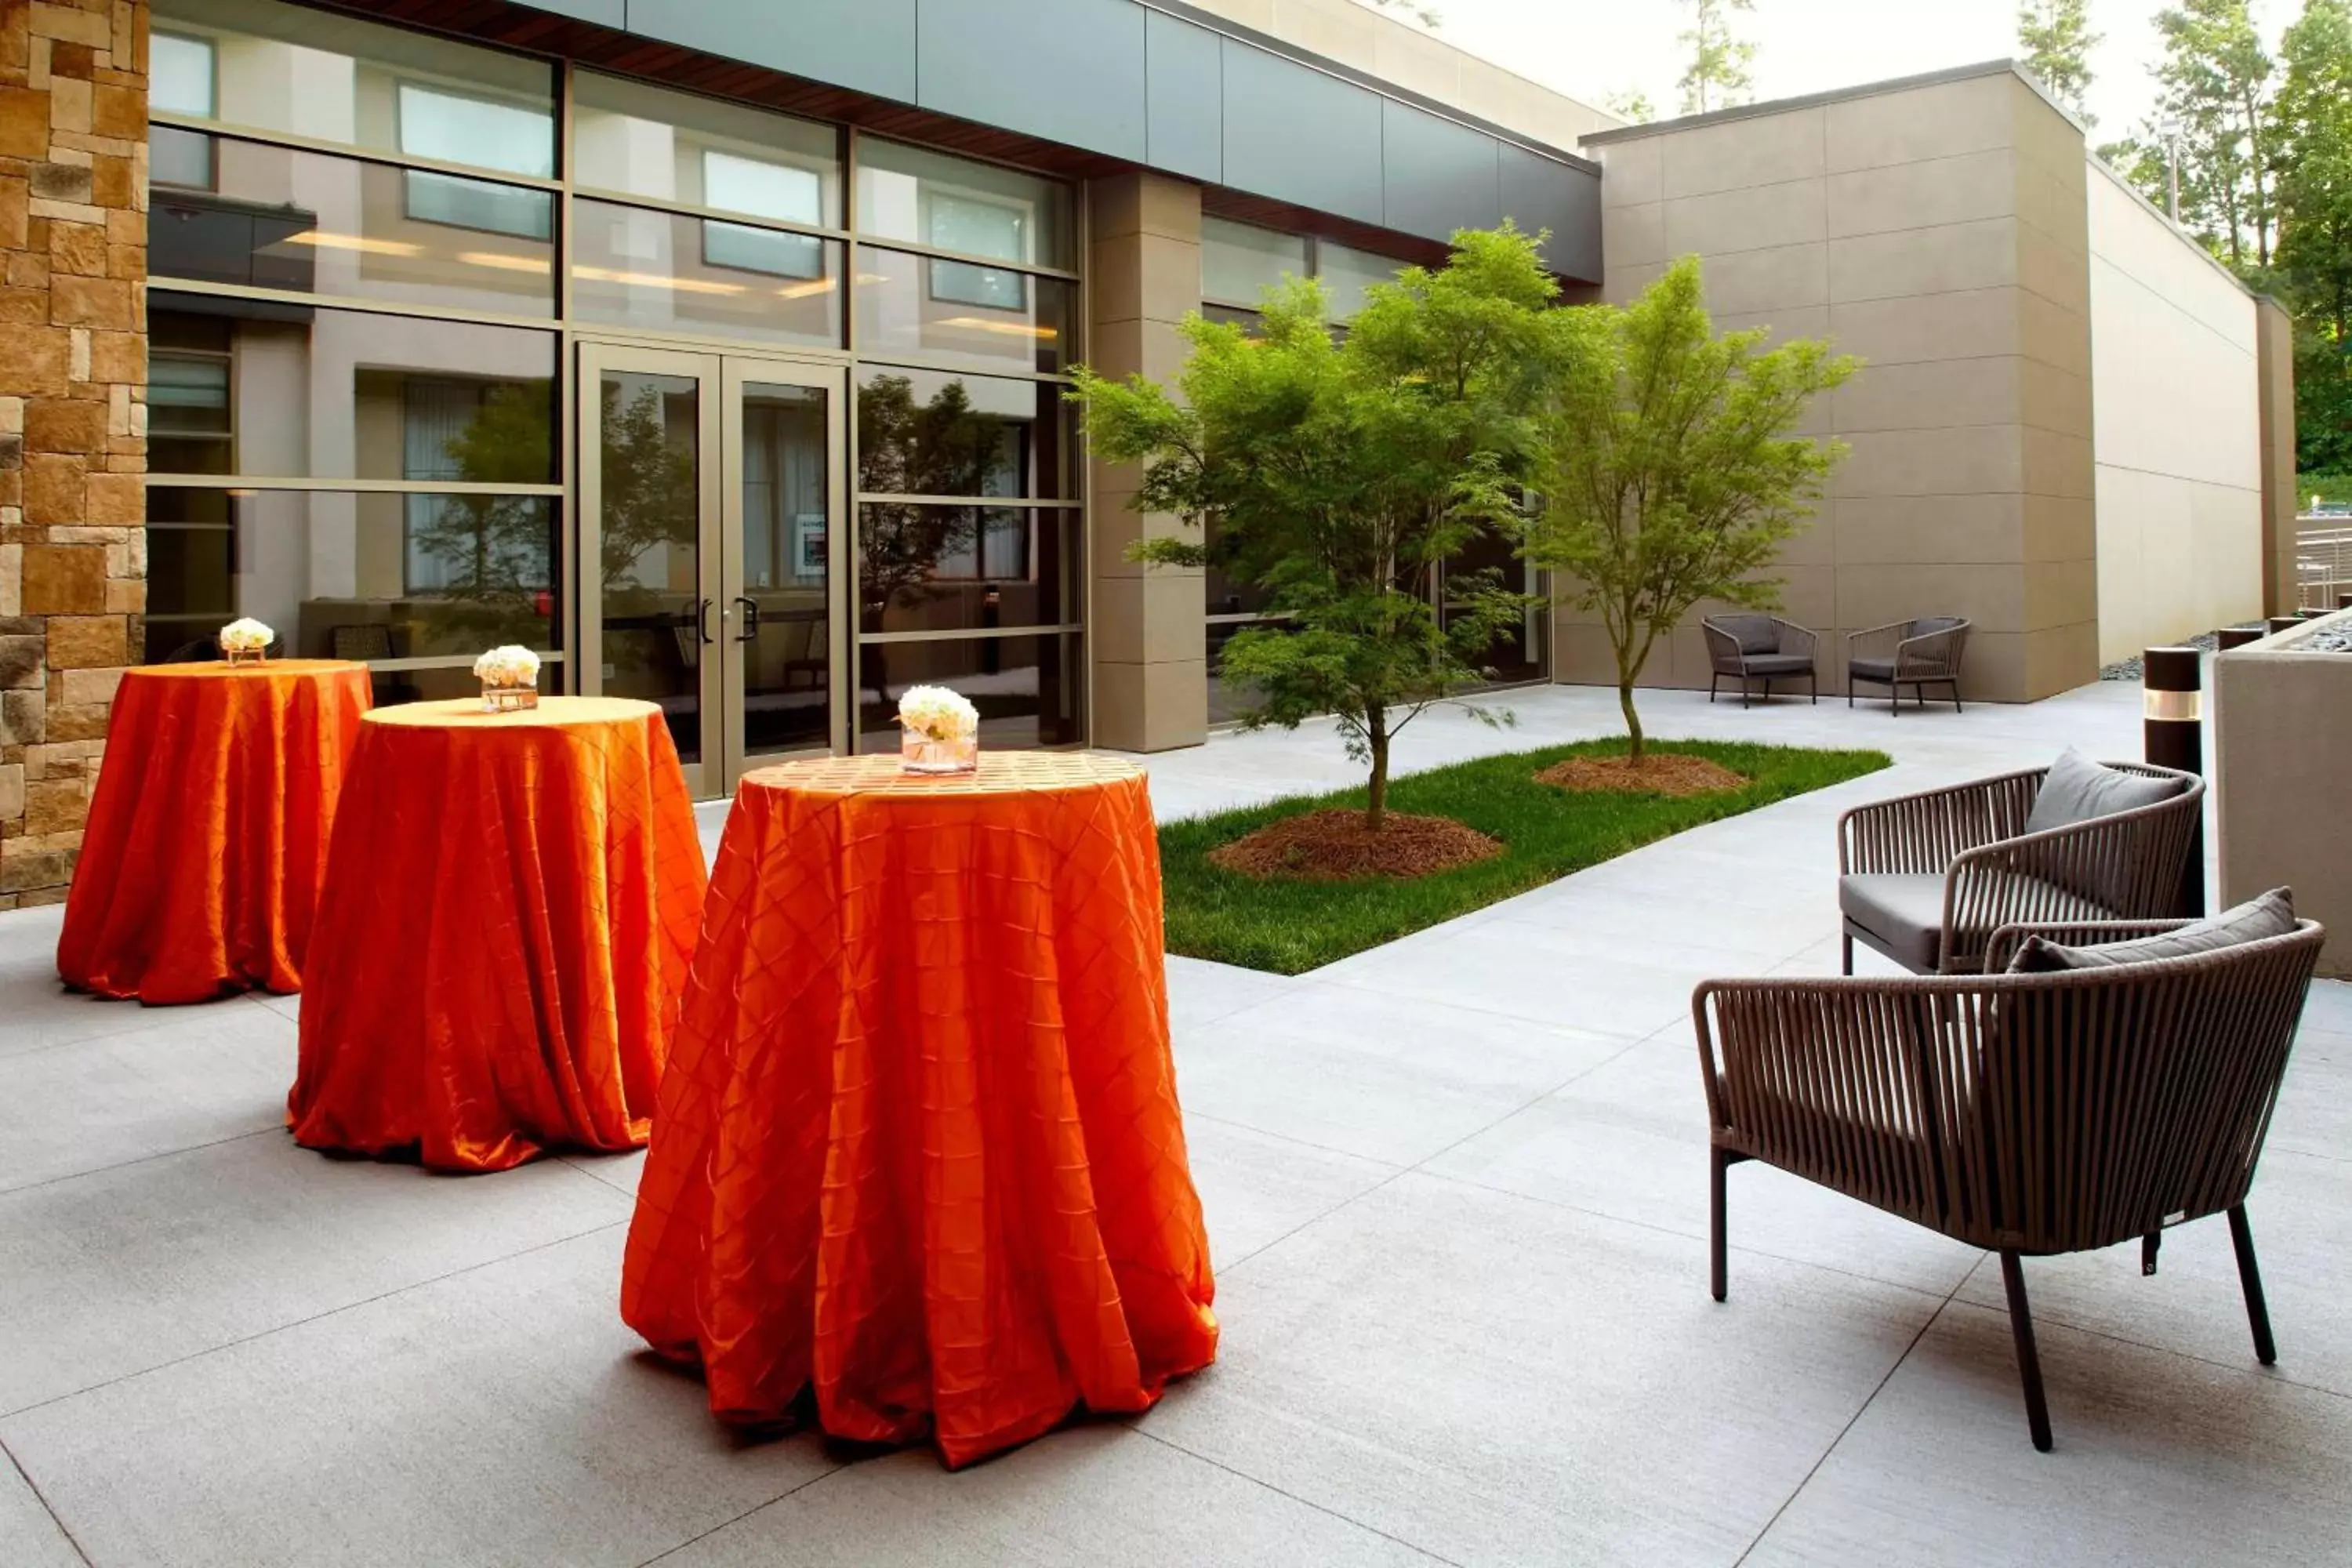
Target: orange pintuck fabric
column 919, row 1147
column 201, row 860
column 502, row 942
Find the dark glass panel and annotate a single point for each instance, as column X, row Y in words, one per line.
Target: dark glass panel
column 978, row 318
column 927, row 432
column 1029, row 691
column 961, row 568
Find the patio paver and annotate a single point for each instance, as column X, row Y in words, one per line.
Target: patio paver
column 1456, row 1191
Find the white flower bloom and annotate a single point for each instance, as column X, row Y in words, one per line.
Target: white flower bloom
column 936, row 714
column 508, row 665
column 246, row 635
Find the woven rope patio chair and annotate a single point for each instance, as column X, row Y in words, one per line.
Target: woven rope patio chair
column 1918, row 654
column 1927, row 878
column 1759, row 649
column 2026, row 1114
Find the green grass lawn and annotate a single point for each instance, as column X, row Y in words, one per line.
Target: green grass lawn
column 1290, row 927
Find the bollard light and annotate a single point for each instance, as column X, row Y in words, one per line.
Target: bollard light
column 2172, row 681
column 2229, row 637
column 2344, row 601
column 2278, row 624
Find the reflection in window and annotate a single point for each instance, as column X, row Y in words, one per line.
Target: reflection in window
column 482, row 432
column 648, row 141
column 1029, row 689
column 1240, row 262
column 926, row 567
column 930, row 432
column 960, row 313
column 1347, row 274
column 332, row 395
column 479, row 205
column 931, row 198
column 784, row 499
column 765, row 190
column 461, row 128
column 177, row 157
column 674, row 272
column 180, row 74
column 327, row 569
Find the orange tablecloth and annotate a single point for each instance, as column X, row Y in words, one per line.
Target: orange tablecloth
column 201, row 860
column 502, row 942
column 919, row 1145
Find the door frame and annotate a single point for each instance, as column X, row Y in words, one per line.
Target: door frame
column 721, row 378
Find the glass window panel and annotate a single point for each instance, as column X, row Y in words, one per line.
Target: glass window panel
column 787, row 630
column 480, row 203
column 1346, row 275
column 930, row 198
column 333, row 394
column 649, row 461
column 925, row 568
column 666, row 146
column 928, row 432
column 761, row 250
column 445, row 683
column 634, row 267
column 1029, row 689
column 180, row 74
column 311, row 222
column 334, row 571
column 335, row 77
column 956, row 313
column 1239, row 262
column 176, row 157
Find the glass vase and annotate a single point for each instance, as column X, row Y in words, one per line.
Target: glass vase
column 507, row 698
column 246, row 655
column 919, row 754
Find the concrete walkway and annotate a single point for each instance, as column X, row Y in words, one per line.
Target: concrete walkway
column 1456, row 1191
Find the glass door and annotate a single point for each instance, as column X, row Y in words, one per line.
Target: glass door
column 710, row 501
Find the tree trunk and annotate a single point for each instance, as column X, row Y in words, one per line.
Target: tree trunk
column 1376, row 733
column 1632, row 720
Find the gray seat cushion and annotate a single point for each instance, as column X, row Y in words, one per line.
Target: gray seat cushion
column 1904, row 911
column 2079, row 790
column 1930, row 626
column 2273, row 914
column 1777, row 664
column 1879, row 669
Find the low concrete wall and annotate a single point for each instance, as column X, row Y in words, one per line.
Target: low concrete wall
column 2282, row 757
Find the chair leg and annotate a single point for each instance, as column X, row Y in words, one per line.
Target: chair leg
column 1849, row 953
column 1717, row 1283
column 2028, row 1359
column 2258, row 1311
column 1747, row 693
column 1956, row 697
column 2149, row 1246
column 1713, row 680
column 1813, row 684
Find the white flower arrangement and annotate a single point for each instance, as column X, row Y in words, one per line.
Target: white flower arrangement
column 508, row 667
column 246, row 635
column 936, row 714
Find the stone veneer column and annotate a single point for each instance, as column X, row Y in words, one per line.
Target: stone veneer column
column 73, row 416
column 1148, row 640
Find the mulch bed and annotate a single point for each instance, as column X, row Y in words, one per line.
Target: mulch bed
column 1336, row 846
column 1671, row 773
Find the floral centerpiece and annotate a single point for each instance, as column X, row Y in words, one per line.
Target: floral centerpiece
column 938, row 732
column 246, row 641
column 509, row 678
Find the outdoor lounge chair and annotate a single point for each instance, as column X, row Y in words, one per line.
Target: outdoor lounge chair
column 1917, row 654
column 1927, row 878
column 2030, row 1114
column 1762, row 648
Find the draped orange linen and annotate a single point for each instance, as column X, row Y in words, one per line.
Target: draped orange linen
column 502, row 942
column 201, row 860
column 919, row 1145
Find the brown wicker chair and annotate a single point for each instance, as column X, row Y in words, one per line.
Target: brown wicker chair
column 1927, row 878
column 2027, row 1114
column 1917, row 654
column 1760, row 650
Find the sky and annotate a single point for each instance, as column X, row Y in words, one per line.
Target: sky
column 1593, row 48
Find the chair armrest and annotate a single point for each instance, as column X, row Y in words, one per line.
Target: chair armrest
column 2126, row 865
column 1933, row 654
column 2002, row 947
column 1927, row 830
column 1794, row 638
column 1723, row 649
column 1876, row 642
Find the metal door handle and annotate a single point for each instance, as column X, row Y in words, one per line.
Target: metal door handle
column 750, row 619
column 702, row 619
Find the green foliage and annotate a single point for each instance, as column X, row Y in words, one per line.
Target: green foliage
column 2057, row 40
column 1339, row 476
column 1666, row 471
column 2217, row 78
column 2314, row 114
column 1291, row 927
column 1632, row 106
column 497, row 550
column 1721, row 70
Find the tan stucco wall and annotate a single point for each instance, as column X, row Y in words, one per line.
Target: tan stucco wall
column 1358, row 36
column 2174, row 351
column 1937, row 230
column 2279, row 780
column 2275, row 336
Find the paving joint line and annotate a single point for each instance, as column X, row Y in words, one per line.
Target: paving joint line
column 47, row 1507
column 1323, row 1509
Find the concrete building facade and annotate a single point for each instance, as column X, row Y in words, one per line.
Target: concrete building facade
column 717, row 351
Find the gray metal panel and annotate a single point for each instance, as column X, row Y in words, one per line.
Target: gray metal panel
column 607, row 12
column 1297, row 135
column 868, row 45
column 1068, row 70
column 1436, row 176
column 1187, row 109
column 1540, row 193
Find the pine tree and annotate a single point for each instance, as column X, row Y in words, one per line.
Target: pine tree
column 2057, row 40
column 2217, row 85
column 1721, row 66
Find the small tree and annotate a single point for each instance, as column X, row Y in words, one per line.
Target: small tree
column 2057, row 40
column 1722, row 68
column 1342, row 476
column 1666, row 472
